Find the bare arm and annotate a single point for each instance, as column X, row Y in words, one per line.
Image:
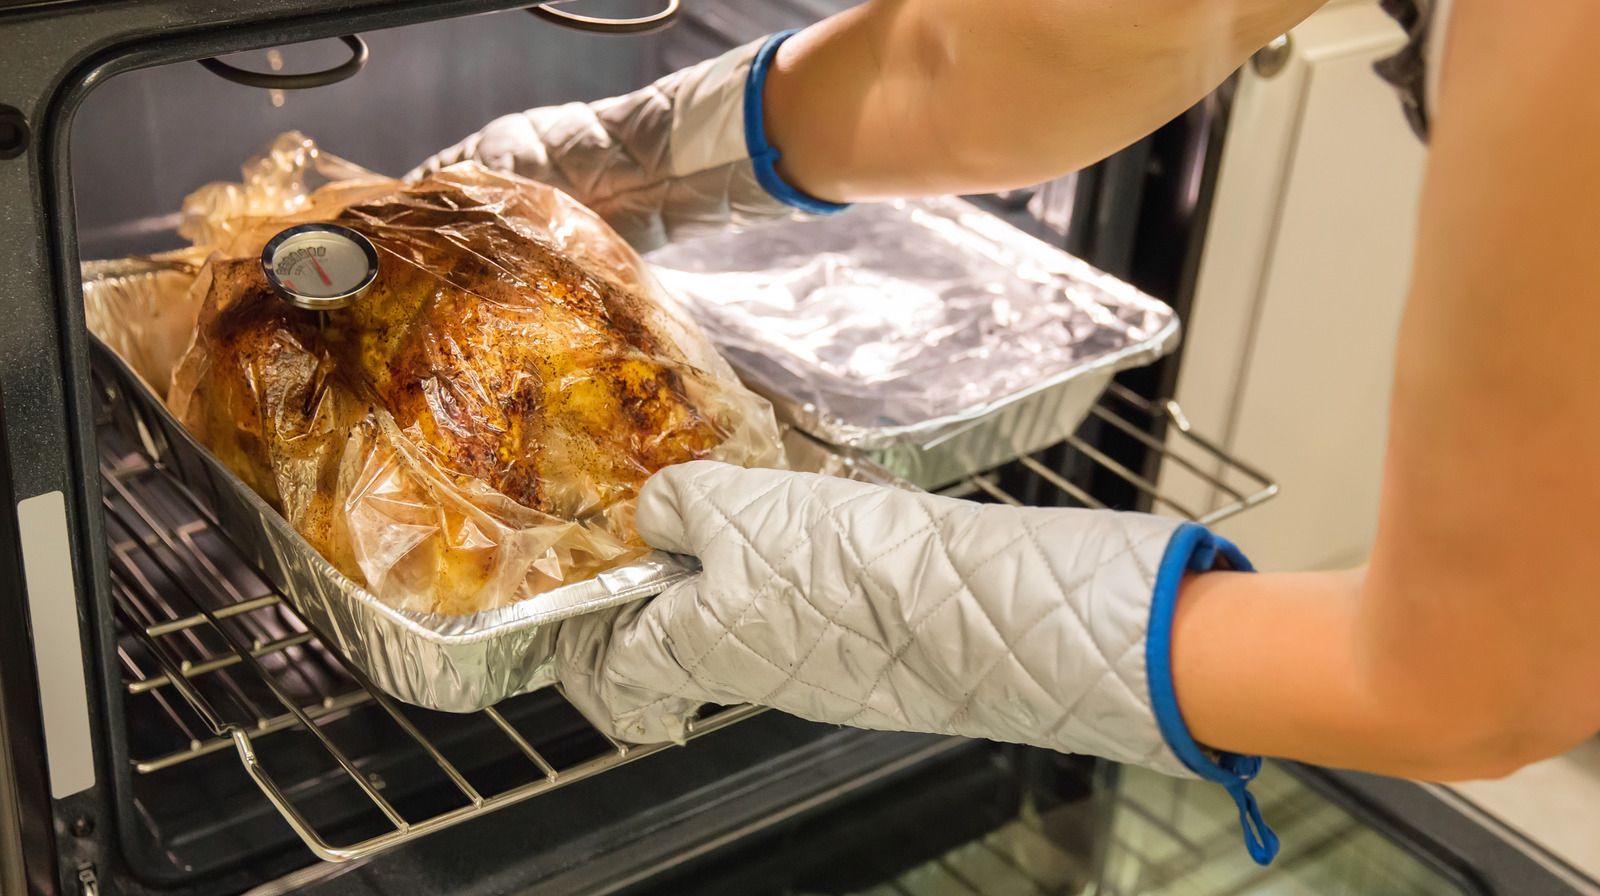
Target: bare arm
column 911, row 97
column 1471, row 646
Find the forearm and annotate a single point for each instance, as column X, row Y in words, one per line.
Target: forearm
column 913, row 97
column 1485, row 565
column 1471, row 645
column 893, row 98
column 1286, row 665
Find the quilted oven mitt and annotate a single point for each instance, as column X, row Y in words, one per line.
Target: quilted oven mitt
column 684, row 156
column 860, row 605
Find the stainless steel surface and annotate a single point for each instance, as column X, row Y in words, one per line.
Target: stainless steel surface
column 1554, row 803
column 929, row 334
column 1270, row 59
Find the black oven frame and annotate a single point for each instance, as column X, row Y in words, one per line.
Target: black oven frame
column 47, row 403
column 53, row 53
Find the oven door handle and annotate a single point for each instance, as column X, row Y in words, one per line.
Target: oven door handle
column 595, row 25
column 303, row 81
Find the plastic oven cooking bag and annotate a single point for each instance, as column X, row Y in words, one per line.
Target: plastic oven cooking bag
column 474, row 429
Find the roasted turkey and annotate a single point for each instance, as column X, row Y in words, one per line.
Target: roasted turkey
column 474, row 429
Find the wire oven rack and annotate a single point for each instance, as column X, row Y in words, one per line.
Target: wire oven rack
column 1183, row 448
column 228, row 662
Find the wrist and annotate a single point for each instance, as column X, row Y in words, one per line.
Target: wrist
column 764, row 156
column 1193, row 549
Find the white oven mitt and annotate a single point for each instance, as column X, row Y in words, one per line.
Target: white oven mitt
column 861, row 605
column 685, row 156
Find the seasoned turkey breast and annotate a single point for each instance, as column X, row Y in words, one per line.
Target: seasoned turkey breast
column 444, row 438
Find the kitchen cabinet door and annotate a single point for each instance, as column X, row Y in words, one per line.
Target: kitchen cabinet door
column 1301, row 287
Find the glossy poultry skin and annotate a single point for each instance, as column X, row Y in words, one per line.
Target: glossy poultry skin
column 511, row 371
column 520, row 370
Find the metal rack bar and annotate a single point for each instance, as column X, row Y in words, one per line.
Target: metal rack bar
column 267, row 679
column 982, row 484
column 145, row 535
column 1179, row 431
column 1268, row 487
column 1145, row 438
column 249, row 606
column 1143, row 484
column 191, row 670
column 285, row 721
column 521, row 742
column 163, row 549
column 1059, row 481
column 132, row 609
column 161, row 699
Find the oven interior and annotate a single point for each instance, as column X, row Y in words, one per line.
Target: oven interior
column 239, row 751
column 220, row 682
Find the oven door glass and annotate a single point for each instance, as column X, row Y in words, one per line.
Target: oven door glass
column 1169, row 837
column 1181, row 838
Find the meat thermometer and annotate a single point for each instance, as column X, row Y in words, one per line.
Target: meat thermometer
column 319, row 267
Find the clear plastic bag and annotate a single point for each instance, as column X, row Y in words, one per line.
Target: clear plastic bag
column 474, row 429
column 144, row 310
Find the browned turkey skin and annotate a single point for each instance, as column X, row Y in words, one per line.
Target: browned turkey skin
column 503, row 362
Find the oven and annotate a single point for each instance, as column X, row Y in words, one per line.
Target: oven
column 169, row 725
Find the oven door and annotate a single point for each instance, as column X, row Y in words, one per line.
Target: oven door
column 945, row 823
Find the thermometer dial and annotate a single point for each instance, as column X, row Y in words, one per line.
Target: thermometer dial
column 320, row 267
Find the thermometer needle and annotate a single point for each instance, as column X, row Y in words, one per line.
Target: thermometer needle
column 320, row 272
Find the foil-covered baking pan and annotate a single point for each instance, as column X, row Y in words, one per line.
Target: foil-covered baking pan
column 451, row 663
column 930, row 335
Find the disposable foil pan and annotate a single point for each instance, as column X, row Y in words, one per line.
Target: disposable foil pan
column 930, row 335
column 452, row 663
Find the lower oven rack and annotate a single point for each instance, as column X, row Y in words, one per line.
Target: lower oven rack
column 228, row 663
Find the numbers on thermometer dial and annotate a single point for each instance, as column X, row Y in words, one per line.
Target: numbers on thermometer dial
column 320, row 265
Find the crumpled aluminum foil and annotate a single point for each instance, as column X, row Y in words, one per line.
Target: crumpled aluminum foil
column 929, row 334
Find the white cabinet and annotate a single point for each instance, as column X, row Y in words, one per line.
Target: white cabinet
column 1298, row 302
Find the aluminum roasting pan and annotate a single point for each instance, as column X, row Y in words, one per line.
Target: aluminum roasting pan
column 450, row 663
column 929, row 334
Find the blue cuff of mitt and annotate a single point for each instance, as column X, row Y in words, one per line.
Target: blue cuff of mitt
column 762, row 153
column 1194, row 549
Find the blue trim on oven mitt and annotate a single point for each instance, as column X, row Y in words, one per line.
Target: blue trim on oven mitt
column 1194, row 549
column 763, row 155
